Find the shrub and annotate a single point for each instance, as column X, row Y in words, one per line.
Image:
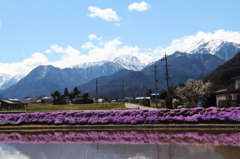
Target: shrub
column 145, row 102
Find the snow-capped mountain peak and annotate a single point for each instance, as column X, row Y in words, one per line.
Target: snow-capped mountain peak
column 89, row 64
column 129, row 62
column 224, row 49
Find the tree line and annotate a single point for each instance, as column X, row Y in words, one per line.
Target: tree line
column 75, row 97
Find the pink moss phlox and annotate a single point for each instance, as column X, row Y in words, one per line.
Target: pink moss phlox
column 184, row 115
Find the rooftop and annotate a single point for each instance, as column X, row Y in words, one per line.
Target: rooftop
column 235, row 78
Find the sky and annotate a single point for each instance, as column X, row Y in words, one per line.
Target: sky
column 66, row 33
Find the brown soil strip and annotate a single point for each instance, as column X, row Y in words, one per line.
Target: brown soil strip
column 38, row 127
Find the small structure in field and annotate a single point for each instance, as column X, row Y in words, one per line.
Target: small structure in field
column 45, row 100
column 12, row 104
column 29, row 100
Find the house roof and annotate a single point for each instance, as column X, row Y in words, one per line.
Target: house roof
column 46, row 98
column 7, row 101
column 14, row 100
column 229, row 91
column 142, row 98
column 235, row 78
column 153, row 94
column 221, row 90
column 29, row 99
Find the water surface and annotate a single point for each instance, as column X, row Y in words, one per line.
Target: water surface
column 150, row 144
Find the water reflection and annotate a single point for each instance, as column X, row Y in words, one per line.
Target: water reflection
column 121, row 144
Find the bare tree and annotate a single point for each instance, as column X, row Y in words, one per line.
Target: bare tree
column 193, row 90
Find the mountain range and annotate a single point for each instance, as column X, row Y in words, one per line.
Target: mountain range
column 7, row 80
column 43, row 80
column 195, row 63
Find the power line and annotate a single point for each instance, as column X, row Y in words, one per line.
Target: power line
column 191, row 62
column 122, row 92
column 96, row 91
column 208, row 73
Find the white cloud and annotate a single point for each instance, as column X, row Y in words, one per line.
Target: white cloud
column 107, row 14
column 93, row 36
column 69, row 56
column 114, row 43
column 117, row 24
column 0, row 23
column 48, row 51
column 35, row 60
column 185, row 43
column 71, row 51
column 109, row 50
column 57, row 48
column 8, row 151
column 142, row 6
column 87, row 45
column 25, row 66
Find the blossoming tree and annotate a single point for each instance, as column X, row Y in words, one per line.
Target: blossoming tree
column 193, row 90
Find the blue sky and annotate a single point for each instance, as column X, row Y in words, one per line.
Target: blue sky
column 65, row 33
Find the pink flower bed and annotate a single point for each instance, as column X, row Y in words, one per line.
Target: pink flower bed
column 194, row 115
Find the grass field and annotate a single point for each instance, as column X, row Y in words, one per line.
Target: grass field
column 159, row 105
column 73, row 107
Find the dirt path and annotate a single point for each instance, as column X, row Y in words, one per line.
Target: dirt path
column 132, row 106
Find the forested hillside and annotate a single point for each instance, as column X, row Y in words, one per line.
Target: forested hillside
column 221, row 77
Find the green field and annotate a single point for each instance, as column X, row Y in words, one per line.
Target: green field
column 75, row 107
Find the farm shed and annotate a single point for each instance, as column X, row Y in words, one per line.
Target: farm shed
column 11, row 105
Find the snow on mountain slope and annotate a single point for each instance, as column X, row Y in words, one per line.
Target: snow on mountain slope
column 129, row 62
column 3, row 79
column 7, row 80
column 224, row 49
column 90, row 64
column 18, row 77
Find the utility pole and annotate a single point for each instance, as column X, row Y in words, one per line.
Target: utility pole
column 96, row 91
column 122, row 93
column 144, row 91
column 156, row 80
column 167, row 77
column 102, row 96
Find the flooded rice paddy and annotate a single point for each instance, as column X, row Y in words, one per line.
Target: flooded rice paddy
column 121, row 144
